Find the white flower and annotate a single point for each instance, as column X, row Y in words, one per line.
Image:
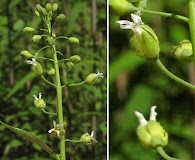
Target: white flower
column 99, row 74
column 33, row 62
column 92, row 133
column 134, row 26
column 87, row 139
column 141, row 118
column 36, row 98
column 55, row 129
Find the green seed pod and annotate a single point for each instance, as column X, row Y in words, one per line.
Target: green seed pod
column 39, row 103
column 145, row 44
column 183, row 51
column 48, row 7
column 70, row 65
column 121, row 8
column 91, row 78
column 37, row 69
column 152, row 135
column 37, row 13
column 75, row 59
column 28, row 29
column 36, row 38
column 52, row 72
column 50, row 40
column 54, row 7
column 26, row 54
column 86, row 139
column 73, row 40
column 60, row 18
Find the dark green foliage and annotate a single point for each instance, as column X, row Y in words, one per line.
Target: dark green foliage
column 136, row 84
column 84, row 106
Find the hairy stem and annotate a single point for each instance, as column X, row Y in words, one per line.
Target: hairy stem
column 163, row 154
column 172, row 76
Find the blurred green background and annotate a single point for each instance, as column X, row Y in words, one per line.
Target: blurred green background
column 84, row 106
column 137, row 84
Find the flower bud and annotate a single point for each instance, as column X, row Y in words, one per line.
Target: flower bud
column 48, row 7
column 121, row 8
column 152, row 135
column 37, row 69
column 75, row 59
column 91, row 78
column 53, row 35
column 51, row 72
column 37, row 13
column 60, row 18
column 26, row 54
column 73, row 40
column 50, row 40
column 70, row 65
column 28, row 29
column 145, row 43
column 36, row 38
column 183, row 51
column 54, row 7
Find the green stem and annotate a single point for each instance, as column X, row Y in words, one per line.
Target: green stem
column 48, row 112
column 48, row 81
column 76, row 84
column 59, row 102
column 74, row 141
column 191, row 23
column 172, row 76
column 163, row 154
column 164, row 14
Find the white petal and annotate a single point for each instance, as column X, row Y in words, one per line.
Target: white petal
column 92, row 133
column 136, row 19
column 141, row 118
column 35, row 97
column 51, row 130
column 124, row 24
column 153, row 113
column 100, row 75
column 40, row 95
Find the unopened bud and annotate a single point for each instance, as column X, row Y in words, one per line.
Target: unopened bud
column 70, row 65
column 73, row 40
column 54, row 7
column 183, row 51
column 75, row 59
column 37, row 13
column 51, row 72
column 50, row 40
column 86, row 139
column 36, row 38
column 48, row 7
column 26, row 54
column 28, row 29
column 60, row 18
column 37, row 69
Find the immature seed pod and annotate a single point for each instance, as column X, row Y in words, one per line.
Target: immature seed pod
column 73, row 40
column 50, row 40
column 36, row 38
column 183, row 51
column 26, row 54
column 75, row 59
column 121, row 7
column 54, row 7
column 28, row 29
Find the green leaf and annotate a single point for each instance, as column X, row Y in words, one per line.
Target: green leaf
column 30, row 137
column 20, row 84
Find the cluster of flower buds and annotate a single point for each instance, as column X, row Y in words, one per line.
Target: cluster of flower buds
column 72, row 61
column 42, row 12
column 58, row 130
column 183, row 51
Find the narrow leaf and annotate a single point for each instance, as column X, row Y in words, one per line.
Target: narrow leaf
column 30, row 137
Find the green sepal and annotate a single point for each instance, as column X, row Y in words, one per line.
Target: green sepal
column 30, row 137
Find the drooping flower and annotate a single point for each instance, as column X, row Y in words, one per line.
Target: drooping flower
column 144, row 41
column 39, row 102
column 93, row 77
column 151, row 133
column 87, row 139
column 36, row 66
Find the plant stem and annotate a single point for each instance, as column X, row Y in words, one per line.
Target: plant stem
column 48, row 81
column 172, row 76
column 191, row 23
column 59, row 102
column 164, row 14
column 163, row 154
